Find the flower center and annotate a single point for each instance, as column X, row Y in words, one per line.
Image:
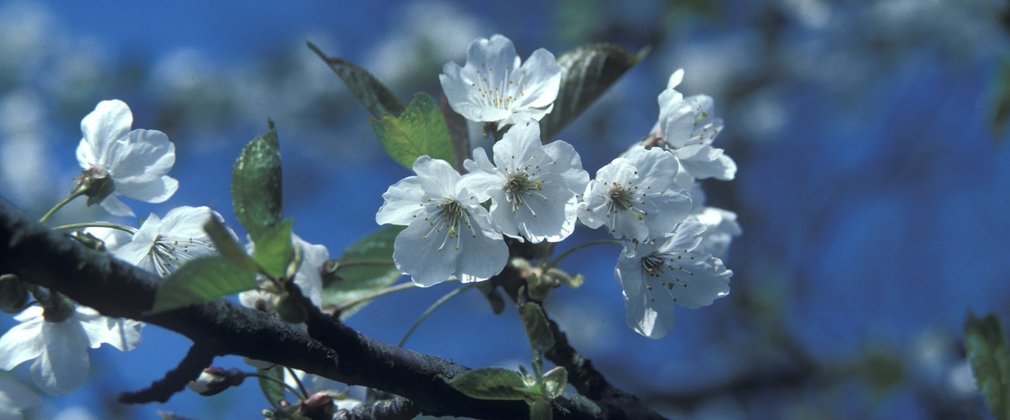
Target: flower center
column 620, row 197
column 653, row 264
column 501, row 89
column 517, row 186
column 167, row 254
column 453, row 217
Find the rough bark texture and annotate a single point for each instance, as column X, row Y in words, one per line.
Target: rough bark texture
column 328, row 348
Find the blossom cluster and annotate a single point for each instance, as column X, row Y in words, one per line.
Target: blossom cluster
column 649, row 197
column 117, row 161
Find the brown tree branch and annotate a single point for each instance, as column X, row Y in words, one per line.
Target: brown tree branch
column 117, row 289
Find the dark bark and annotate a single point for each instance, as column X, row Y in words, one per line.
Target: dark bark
column 332, row 350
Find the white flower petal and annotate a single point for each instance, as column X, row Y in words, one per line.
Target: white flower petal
column 400, row 202
column 139, row 248
column 63, row 366
column 154, row 191
column 123, row 334
column 116, row 207
column 22, row 342
column 495, row 53
column 482, row 177
column 436, row 176
column 483, row 254
column 15, row 398
column 107, row 123
column 309, row 275
column 543, row 80
column 421, row 257
column 87, row 157
column 564, row 155
column 187, row 221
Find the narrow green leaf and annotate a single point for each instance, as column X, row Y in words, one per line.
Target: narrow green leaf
column 256, row 184
column 541, row 410
column 989, row 356
column 586, row 72
column 227, row 246
column 494, row 384
column 366, row 266
column 537, row 329
column 201, row 280
column 274, row 249
column 419, row 130
column 273, row 391
column 555, row 381
column 375, row 96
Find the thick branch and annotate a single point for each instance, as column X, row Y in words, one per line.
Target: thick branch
column 118, row 289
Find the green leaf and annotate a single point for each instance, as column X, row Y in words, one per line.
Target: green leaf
column 494, row 384
column 227, row 246
column 555, row 381
column 201, row 280
column 274, row 250
column 273, row 391
column 990, row 362
column 586, row 72
column 537, row 329
column 366, row 266
column 375, row 96
column 541, row 410
column 419, row 130
column 256, row 184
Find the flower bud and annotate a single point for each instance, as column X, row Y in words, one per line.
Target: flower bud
column 213, row 380
column 318, row 406
column 13, row 294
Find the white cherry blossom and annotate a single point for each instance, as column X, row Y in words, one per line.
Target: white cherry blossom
column 163, row 245
column 15, row 398
column 448, row 232
column 496, row 86
column 137, row 162
column 59, row 349
column 656, row 276
column 720, row 229
column 309, row 277
column 635, row 196
column 533, row 187
column 687, row 127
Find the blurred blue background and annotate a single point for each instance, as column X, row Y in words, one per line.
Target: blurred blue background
column 872, row 184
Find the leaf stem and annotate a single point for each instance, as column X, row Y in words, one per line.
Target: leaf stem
column 305, row 394
column 290, row 389
column 441, row 301
column 117, row 226
column 66, row 200
column 378, row 293
column 555, row 261
column 362, row 263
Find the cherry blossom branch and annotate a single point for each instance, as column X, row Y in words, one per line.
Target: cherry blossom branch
column 329, row 348
column 197, row 359
column 392, row 409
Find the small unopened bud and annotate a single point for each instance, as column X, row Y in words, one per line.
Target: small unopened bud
column 13, row 294
column 318, row 406
column 213, row 380
column 290, row 310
